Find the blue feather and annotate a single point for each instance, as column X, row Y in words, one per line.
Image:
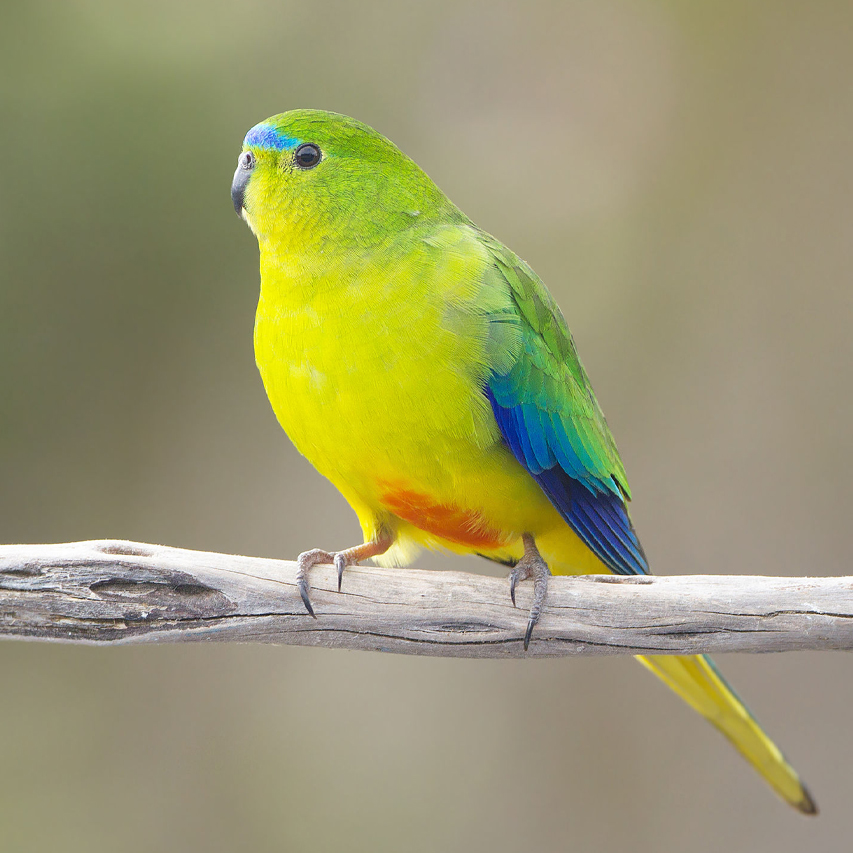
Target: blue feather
column 593, row 507
column 563, row 450
column 523, row 436
column 536, row 421
column 266, row 136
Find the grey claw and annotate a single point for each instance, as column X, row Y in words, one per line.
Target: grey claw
column 340, row 565
column 520, row 572
column 302, row 586
column 540, row 592
column 306, row 561
column 531, row 565
column 531, row 622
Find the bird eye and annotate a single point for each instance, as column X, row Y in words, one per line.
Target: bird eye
column 246, row 161
column 307, row 156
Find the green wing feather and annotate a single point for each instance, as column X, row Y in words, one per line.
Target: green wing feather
column 547, row 413
column 548, row 374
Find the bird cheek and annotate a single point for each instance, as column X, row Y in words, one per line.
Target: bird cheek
column 244, row 215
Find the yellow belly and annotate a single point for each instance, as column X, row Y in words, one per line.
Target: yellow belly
column 387, row 404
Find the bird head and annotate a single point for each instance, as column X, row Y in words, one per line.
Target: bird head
column 306, row 175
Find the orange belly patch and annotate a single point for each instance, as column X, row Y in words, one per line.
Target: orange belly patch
column 461, row 526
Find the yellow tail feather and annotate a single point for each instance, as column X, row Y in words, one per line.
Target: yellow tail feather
column 698, row 682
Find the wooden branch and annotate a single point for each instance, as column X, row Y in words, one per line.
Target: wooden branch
column 112, row 592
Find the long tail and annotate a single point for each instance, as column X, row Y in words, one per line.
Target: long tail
column 695, row 679
column 699, row 683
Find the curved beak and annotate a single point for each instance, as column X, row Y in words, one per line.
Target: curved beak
column 238, row 188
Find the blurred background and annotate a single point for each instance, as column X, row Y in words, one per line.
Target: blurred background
column 681, row 177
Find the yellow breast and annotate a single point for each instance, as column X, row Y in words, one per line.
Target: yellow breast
column 375, row 372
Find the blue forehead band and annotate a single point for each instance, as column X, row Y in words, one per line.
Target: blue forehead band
column 266, row 136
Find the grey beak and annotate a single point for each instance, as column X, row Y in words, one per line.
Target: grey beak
column 238, row 187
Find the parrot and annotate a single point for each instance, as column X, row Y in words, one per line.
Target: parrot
column 426, row 371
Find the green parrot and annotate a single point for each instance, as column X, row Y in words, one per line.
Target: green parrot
column 424, row 369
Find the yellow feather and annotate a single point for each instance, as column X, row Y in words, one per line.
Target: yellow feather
column 699, row 684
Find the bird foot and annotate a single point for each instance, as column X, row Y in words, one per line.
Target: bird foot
column 339, row 559
column 531, row 565
column 305, row 562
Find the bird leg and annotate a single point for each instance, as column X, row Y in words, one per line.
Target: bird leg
column 531, row 565
column 339, row 559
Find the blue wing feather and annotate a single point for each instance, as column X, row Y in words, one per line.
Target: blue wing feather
column 594, row 508
column 547, row 413
column 535, row 421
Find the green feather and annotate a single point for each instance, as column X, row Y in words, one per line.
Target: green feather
column 546, row 371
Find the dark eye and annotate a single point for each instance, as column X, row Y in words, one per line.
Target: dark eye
column 246, row 161
column 307, row 156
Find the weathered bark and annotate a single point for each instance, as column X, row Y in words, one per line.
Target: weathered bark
column 111, row 592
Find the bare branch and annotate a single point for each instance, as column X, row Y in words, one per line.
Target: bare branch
column 112, row 592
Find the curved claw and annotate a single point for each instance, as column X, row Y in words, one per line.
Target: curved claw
column 531, row 565
column 540, row 592
column 340, row 560
column 340, row 565
column 305, row 561
column 514, row 578
column 302, row 586
column 529, row 632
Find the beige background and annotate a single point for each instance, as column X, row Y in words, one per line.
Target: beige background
column 679, row 174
